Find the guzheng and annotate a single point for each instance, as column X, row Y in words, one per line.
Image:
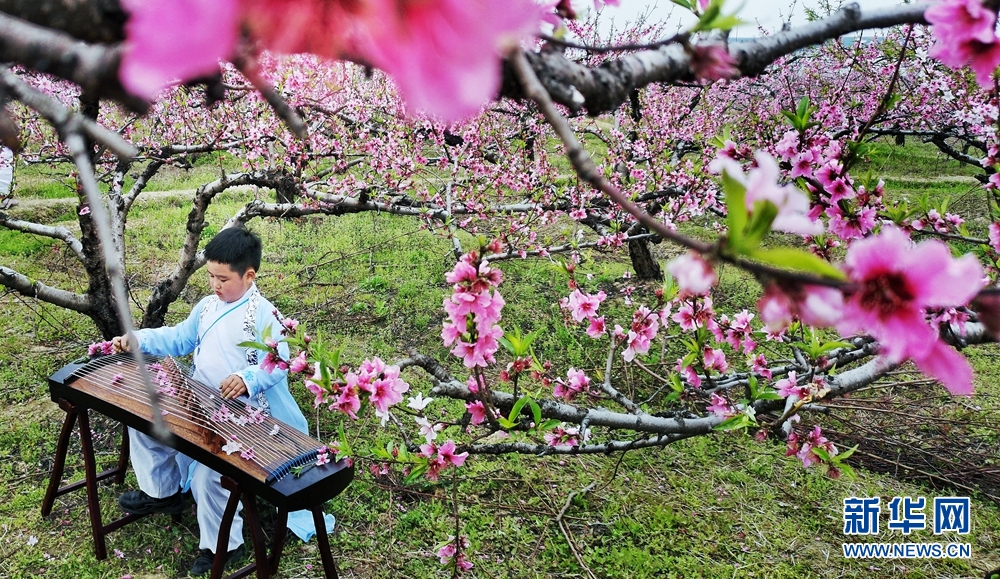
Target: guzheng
column 265, row 456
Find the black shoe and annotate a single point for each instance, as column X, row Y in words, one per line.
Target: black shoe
column 206, row 558
column 139, row 503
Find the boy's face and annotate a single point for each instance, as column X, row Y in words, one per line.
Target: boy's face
column 226, row 283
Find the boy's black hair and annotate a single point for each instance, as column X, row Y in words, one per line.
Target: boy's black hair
column 236, row 247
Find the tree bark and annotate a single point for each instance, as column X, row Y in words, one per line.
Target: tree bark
column 88, row 20
column 645, row 265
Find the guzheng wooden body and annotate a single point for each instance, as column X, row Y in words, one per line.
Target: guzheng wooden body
column 281, row 467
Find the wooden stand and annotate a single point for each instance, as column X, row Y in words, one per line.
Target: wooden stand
column 265, row 565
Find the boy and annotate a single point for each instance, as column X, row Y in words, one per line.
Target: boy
column 235, row 313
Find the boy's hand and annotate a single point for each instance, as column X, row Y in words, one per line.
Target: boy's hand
column 120, row 344
column 232, row 387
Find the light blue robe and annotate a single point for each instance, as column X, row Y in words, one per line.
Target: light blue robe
column 211, row 332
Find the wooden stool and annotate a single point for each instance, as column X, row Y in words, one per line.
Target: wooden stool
column 264, row 564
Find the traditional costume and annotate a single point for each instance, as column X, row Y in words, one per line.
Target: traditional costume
column 211, row 332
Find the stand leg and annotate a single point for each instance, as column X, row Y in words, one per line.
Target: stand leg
column 323, row 542
column 59, row 464
column 123, row 456
column 222, row 545
column 93, row 502
column 257, row 536
column 280, row 533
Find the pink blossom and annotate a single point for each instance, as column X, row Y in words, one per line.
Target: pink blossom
column 789, row 386
column 477, row 411
column 712, row 62
column 720, row 406
column 596, row 328
column 445, row 54
column 317, row 391
column 964, row 34
column 694, row 275
column 575, row 383
column 787, row 146
column 169, row 40
column 584, row 306
column 802, row 165
column 688, row 373
column 348, row 402
column 564, row 435
column 300, row 363
column 760, row 366
column 447, row 453
column 897, row 282
column 714, row 359
column 388, row 391
column 762, row 185
column 995, row 236
column 816, row 306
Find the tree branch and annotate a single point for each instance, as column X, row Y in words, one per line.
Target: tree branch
column 606, row 87
column 60, row 233
column 38, row 290
column 93, row 67
column 57, row 113
column 101, row 21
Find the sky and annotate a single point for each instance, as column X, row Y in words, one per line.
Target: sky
column 767, row 13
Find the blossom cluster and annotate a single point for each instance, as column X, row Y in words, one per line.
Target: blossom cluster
column 443, row 54
column 100, row 349
column 473, row 311
column 804, row 450
column 450, row 554
column 965, row 31
column 441, row 457
column 374, row 380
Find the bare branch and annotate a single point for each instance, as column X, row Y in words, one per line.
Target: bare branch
column 58, row 114
column 60, row 233
column 93, row 67
column 36, row 289
column 606, row 87
column 91, row 21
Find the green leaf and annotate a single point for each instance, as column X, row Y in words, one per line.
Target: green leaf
column 549, row 424
column 736, row 208
column 793, row 119
column 763, row 216
column 415, row 473
column 536, row 410
column 821, row 453
column 724, row 22
column 254, row 345
column 830, row 346
column 683, row 4
column 846, row 454
column 797, row 260
column 675, row 383
column 848, row 471
column 734, row 422
column 802, row 109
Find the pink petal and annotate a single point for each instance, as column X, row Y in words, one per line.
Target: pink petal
column 445, row 54
column 873, row 255
column 939, row 279
column 170, row 40
column 949, row 367
column 905, row 334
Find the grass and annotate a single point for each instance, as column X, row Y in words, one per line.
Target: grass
column 716, row 507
